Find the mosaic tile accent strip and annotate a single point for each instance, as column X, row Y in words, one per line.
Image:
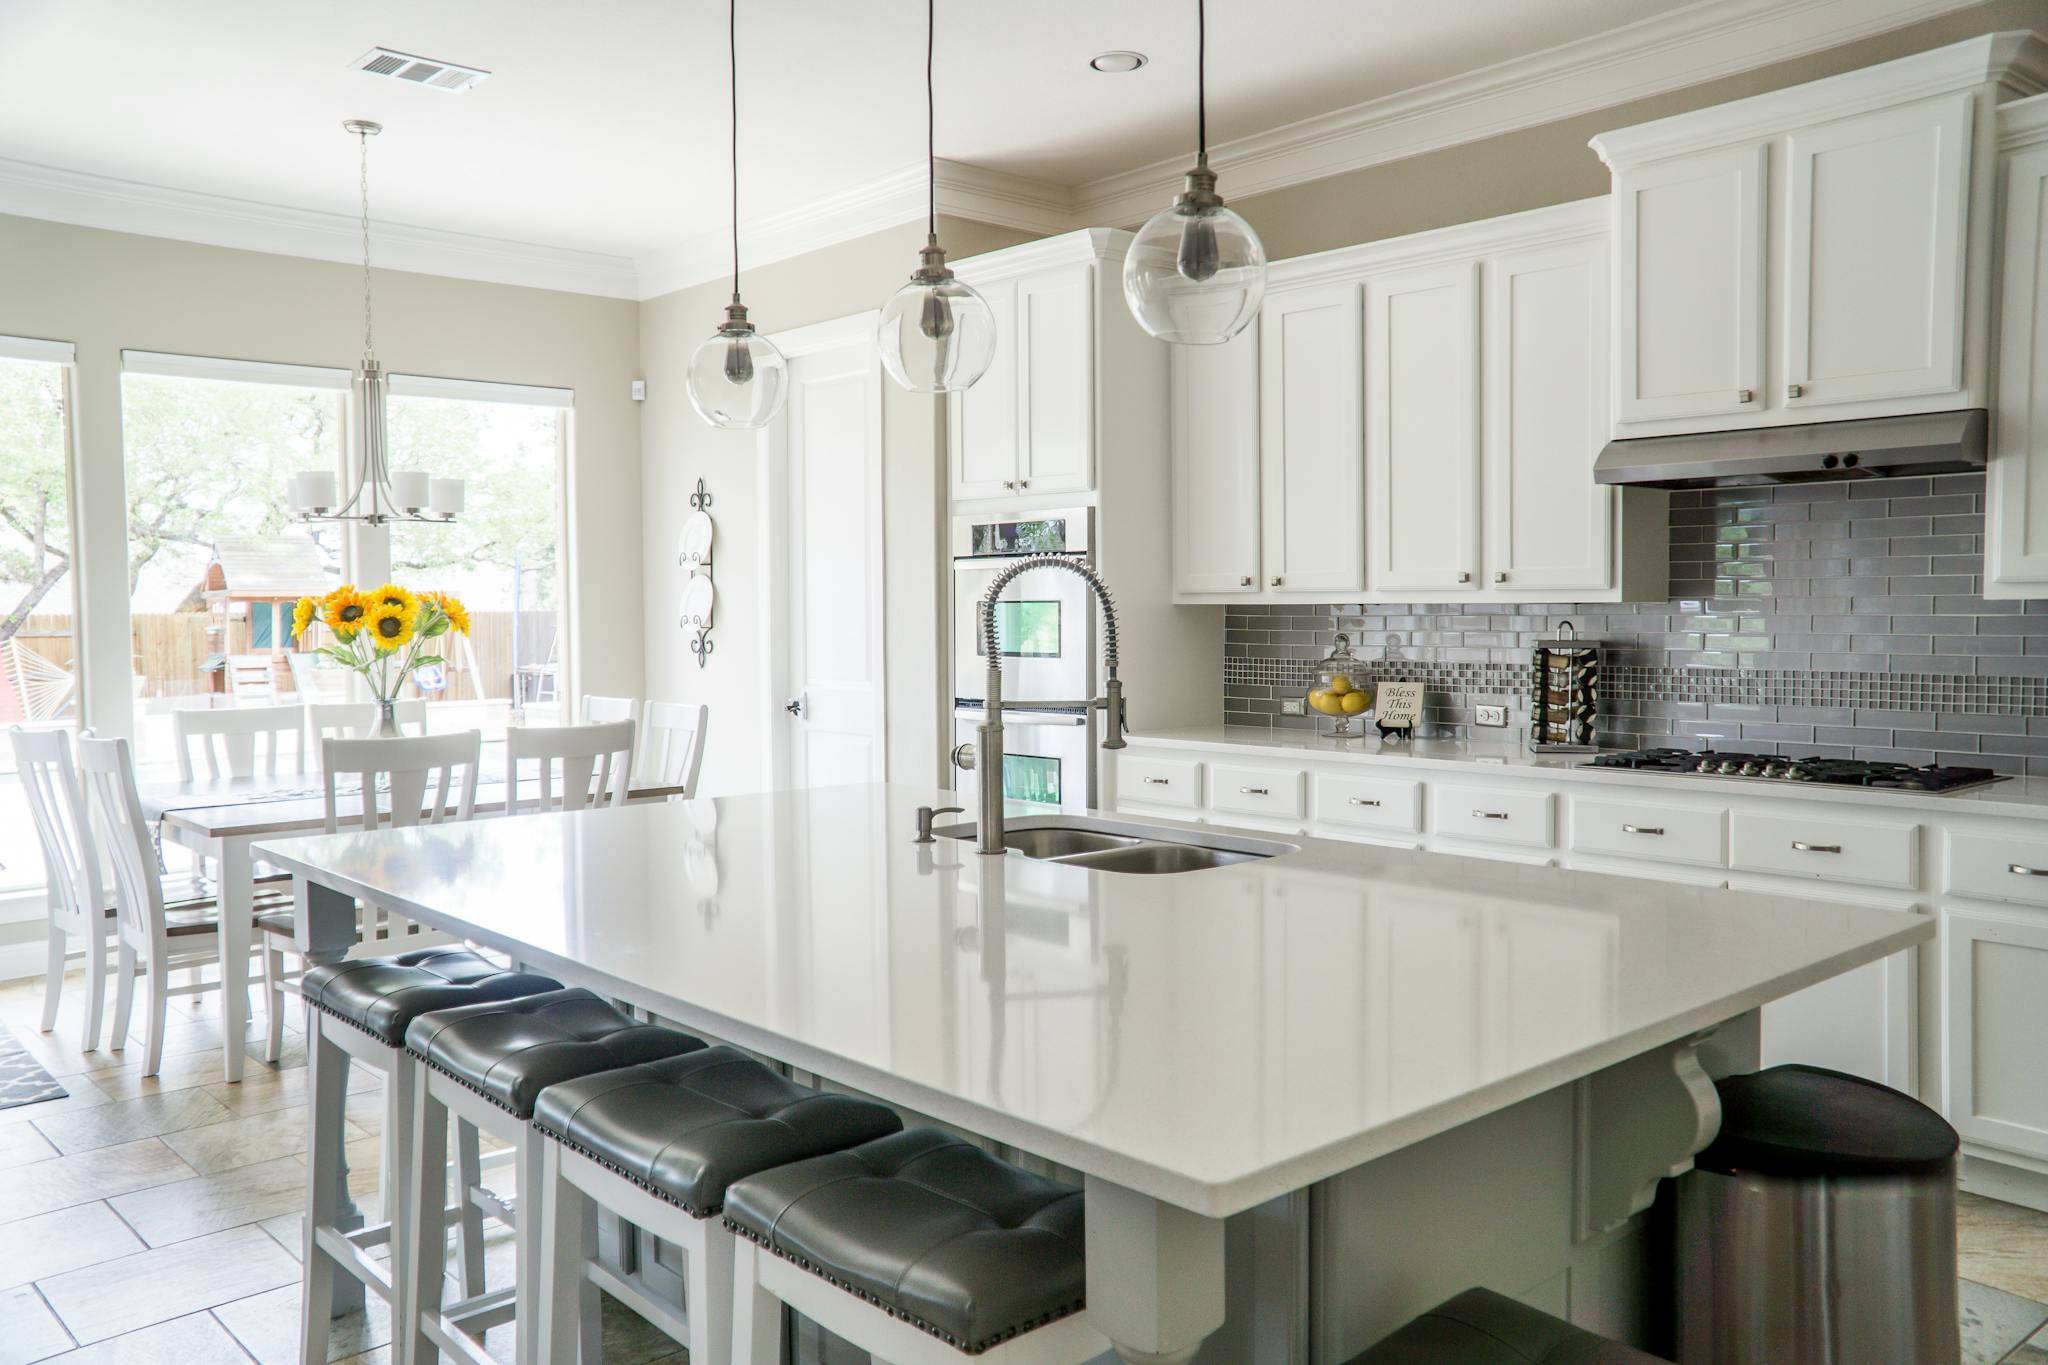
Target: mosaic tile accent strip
column 1842, row 619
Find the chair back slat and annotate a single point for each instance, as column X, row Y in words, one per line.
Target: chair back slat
column 407, row 764
column 109, row 769
column 57, row 807
column 674, row 747
column 229, row 739
column 596, row 764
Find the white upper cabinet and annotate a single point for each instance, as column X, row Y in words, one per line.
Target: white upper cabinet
column 1422, row 428
column 1689, row 255
column 2016, row 494
column 986, row 451
column 1874, row 254
column 1056, row 380
column 1216, row 466
column 1312, row 470
column 1549, row 527
column 1813, row 254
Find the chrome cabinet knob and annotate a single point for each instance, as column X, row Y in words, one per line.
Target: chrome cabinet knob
column 1464, row 577
column 1500, row 575
column 1795, row 390
column 1745, row 395
column 1245, row 582
column 1023, row 483
column 1276, row 580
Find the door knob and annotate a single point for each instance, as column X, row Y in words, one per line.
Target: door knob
column 795, row 706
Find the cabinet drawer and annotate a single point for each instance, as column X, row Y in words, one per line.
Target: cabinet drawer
column 1272, row 792
column 1999, row 867
column 1159, row 781
column 1827, row 849
column 1492, row 815
column 1375, row 803
column 1668, row 834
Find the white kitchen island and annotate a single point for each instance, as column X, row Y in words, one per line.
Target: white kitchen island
column 1308, row 1096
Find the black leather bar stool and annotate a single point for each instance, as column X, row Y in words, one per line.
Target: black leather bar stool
column 1480, row 1327
column 919, row 1248
column 658, row 1145
column 359, row 1010
column 486, row 1064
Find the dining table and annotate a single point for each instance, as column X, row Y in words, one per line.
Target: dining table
column 218, row 819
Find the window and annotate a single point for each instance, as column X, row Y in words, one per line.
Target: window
column 38, row 660
column 214, row 558
column 504, row 555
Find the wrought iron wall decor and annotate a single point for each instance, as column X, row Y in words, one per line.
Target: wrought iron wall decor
column 699, row 596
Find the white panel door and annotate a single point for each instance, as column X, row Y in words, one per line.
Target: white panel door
column 1548, row 525
column 983, row 428
column 1874, row 254
column 1689, row 282
column 1311, row 448
column 1056, row 380
column 833, row 540
column 1422, row 430
column 1216, row 465
column 2016, row 510
column 1997, row 1016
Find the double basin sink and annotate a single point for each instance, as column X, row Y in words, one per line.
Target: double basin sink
column 1103, row 845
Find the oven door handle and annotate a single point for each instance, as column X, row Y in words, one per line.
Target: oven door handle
column 1016, row 716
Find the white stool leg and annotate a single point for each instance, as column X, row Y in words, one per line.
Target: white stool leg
column 528, row 1220
column 124, row 994
column 756, row 1313
column 323, row 1176
column 273, row 995
column 708, row 1292
column 571, row 1314
column 419, row 1297
column 468, row 1175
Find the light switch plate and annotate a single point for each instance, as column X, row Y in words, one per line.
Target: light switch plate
column 1492, row 715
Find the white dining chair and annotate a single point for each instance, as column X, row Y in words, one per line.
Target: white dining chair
column 155, row 937
column 252, row 677
column 327, row 720
column 672, row 747
column 77, row 899
column 595, row 762
column 229, row 740
column 606, row 710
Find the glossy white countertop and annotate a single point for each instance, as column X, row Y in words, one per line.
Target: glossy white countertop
column 2021, row 797
column 1211, row 1039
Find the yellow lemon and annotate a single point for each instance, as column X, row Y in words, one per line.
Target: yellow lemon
column 1352, row 702
column 1340, row 684
column 1325, row 702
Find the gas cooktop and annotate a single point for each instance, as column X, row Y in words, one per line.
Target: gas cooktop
column 1834, row 772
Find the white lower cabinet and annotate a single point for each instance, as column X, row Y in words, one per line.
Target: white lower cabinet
column 1636, row 829
column 1997, row 989
column 1516, row 816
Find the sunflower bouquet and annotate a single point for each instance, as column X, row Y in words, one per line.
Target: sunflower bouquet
column 382, row 634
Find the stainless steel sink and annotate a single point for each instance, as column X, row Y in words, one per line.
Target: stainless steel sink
column 1115, row 845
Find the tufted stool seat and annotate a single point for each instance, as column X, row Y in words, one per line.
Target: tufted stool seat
column 383, row 995
column 486, row 1063
column 928, row 1229
column 1480, row 1327
column 659, row 1144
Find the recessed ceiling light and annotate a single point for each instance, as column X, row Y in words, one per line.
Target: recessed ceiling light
column 1117, row 63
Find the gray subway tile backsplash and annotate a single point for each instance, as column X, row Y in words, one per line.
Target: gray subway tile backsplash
column 1843, row 619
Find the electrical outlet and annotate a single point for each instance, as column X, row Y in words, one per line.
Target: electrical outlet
column 1291, row 706
column 1492, row 715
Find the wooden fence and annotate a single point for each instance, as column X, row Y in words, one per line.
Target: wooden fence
column 170, row 646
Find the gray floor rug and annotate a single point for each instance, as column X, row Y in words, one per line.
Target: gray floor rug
column 22, row 1078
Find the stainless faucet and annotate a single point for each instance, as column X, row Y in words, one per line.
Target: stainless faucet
column 986, row 752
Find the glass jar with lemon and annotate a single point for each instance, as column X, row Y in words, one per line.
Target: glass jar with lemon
column 1341, row 691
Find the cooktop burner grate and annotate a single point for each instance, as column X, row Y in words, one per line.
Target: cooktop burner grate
column 1835, row 772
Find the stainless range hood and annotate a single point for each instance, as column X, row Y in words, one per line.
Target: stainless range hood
column 1870, row 448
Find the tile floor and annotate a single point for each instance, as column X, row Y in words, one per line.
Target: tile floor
column 152, row 1220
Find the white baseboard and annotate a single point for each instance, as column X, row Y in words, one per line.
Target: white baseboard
column 1995, row 1179
column 19, row 960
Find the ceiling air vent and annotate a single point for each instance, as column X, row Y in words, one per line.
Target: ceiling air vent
column 436, row 75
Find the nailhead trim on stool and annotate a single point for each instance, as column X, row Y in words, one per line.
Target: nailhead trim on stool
column 382, row 995
column 967, row 1202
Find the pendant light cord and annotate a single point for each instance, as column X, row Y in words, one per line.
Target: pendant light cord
column 1202, row 81
column 931, row 156
column 364, row 183
column 732, row 83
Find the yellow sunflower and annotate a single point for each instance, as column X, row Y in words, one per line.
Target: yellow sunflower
column 303, row 614
column 452, row 608
column 391, row 625
column 344, row 610
column 391, row 595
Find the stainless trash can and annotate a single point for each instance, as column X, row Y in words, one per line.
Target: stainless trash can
column 1819, row 1228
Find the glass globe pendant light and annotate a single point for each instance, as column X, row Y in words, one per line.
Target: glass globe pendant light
column 936, row 335
column 737, row 377
column 1196, row 272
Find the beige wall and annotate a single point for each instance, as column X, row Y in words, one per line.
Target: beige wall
column 1552, row 164
column 110, row 291
column 848, row 278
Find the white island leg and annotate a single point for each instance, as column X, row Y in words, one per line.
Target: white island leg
column 326, row 923
column 1155, row 1275
column 237, row 896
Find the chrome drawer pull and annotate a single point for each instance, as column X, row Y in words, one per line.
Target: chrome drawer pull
column 1253, row 791
column 1489, row 815
column 2021, row 870
column 1816, row 848
column 1158, row 782
column 1361, row 801
column 1642, row 829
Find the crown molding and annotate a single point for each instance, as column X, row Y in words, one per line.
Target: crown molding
column 2022, row 123
column 1559, row 223
column 97, row 201
column 1686, row 47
